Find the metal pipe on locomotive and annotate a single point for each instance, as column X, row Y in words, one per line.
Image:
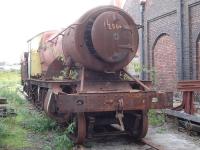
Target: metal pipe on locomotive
column 77, row 75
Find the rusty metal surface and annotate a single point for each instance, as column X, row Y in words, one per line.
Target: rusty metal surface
column 99, row 85
column 189, row 85
column 188, row 88
column 103, row 39
column 137, row 80
column 50, row 54
column 111, row 39
column 78, row 43
column 100, row 102
column 80, row 134
column 103, row 98
column 143, row 126
column 153, row 145
column 188, row 102
column 50, row 105
column 106, row 87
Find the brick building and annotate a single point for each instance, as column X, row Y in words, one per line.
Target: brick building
column 170, row 39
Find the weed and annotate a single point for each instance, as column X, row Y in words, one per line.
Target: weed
column 38, row 122
column 13, row 135
column 3, row 128
column 62, row 141
column 156, row 119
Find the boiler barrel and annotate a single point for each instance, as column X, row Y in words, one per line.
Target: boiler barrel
column 103, row 39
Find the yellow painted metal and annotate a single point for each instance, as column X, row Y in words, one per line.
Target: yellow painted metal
column 36, row 68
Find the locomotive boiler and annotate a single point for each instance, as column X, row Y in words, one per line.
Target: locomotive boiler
column 77, row 75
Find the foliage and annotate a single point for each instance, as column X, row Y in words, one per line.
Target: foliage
column 156, row 119
column 9, row 79
column 3, row 129
column 62, row 141
column 37, row 122
column 138, row 69
column 15, row 130
column 73, row 74
column 14, row 136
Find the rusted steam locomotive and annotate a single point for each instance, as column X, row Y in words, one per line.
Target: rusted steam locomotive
column 77, row 75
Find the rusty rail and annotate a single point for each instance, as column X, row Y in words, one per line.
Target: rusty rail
column 188, row 85
column 187, row 118
column 152, row 145
column 188, row 88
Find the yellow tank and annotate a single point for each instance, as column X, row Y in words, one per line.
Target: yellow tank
column 36, row 69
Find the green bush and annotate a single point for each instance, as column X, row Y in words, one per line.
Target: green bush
column 156, row 119
column 62, row 140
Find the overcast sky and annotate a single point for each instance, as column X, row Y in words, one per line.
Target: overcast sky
column 22, row 19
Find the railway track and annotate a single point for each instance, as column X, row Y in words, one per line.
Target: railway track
column 189, row 123
column 152, row 145
column 143, row 144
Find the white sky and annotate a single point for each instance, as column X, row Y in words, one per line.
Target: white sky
column 22, row 19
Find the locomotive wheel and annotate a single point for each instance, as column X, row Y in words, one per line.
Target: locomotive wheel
column 137, row 125
column 144, row 127
column 79, row 134
column 43, row 94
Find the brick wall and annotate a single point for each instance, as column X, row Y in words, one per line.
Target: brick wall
column 164, row 62
column 194, row 30
column 180, row 19
column 198, row 58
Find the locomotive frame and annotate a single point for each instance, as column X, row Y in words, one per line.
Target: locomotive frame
column 87, row 107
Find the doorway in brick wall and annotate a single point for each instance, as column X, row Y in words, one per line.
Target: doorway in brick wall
column 164, row 63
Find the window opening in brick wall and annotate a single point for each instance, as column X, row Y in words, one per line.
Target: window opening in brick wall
column 164, row 63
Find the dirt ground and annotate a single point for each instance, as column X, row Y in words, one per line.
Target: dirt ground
column 167, row 137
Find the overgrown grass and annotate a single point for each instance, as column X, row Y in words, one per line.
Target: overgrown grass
column 37, row 122
column 12, row 135
column 15, row 130
column 62, row 140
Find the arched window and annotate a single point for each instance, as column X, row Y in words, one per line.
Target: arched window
column 164, row 63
